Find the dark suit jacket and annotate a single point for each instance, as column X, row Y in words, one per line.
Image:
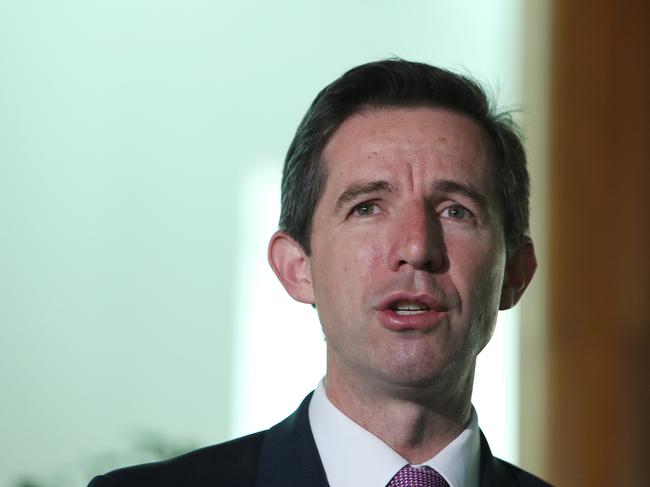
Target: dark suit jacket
column 283, row 456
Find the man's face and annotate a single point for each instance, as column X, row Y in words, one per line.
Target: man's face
column 408, row 251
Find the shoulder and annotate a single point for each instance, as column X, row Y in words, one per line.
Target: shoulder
column 233, row 462
column 286, row 451
column 499, row 473
column 509, row 474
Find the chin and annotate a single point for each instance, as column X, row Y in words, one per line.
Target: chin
column 426, row 375
column 413, row 376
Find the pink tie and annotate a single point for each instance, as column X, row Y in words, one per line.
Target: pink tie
column 418, row 477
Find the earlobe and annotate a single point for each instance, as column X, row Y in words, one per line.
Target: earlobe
column 291, row 264
column 520, row 269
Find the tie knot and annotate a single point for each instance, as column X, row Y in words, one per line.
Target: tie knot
column 418, row 477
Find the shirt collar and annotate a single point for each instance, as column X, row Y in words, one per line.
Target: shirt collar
column 353, row 456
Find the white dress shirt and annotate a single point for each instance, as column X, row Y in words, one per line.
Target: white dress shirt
column 352, row 456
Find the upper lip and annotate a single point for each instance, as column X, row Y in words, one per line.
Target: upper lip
column 425, row 299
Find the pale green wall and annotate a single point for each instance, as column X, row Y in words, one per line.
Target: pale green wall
column 123, row 128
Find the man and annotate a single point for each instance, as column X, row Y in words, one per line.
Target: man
column 405, row 223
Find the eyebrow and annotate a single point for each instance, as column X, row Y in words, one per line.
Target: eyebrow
column 355, row 191
column 453, row 187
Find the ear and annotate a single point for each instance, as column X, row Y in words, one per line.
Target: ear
column 291, row 264
column 520, row 269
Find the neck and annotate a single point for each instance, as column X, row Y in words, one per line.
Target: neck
column 417, row 422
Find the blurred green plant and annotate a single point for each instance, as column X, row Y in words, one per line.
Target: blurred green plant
column 145, row 447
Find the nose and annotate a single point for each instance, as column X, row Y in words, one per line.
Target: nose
column 418, row 240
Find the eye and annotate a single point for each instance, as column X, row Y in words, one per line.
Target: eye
column 456, row 212
column 365, row 209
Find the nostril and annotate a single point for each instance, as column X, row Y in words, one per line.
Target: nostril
column 432, row 259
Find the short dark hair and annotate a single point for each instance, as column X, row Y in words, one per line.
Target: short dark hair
column 400, row 83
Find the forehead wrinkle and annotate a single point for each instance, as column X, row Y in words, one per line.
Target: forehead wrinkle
column 406, row 159
column 410, row 177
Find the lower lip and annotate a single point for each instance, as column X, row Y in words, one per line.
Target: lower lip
column 419, row 321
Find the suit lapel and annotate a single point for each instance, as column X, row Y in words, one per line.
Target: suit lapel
column 493, row 472
column 289, row 457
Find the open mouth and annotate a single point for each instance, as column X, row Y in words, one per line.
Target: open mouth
column 411, row 312
column 408, row 308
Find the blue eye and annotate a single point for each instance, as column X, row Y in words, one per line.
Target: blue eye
column 365, row 209
column 456, row 212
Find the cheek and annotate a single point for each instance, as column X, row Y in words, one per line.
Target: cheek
column 347, row 267
column 488, row 293
column 477, row 272
column 486, row 300
column 369, row 260
column 349, row 275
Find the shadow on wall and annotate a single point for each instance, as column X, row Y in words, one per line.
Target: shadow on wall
column 146, row 447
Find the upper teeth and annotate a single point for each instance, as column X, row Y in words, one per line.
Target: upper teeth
column 409, row 308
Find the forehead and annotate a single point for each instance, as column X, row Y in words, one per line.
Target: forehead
column 409, row 146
